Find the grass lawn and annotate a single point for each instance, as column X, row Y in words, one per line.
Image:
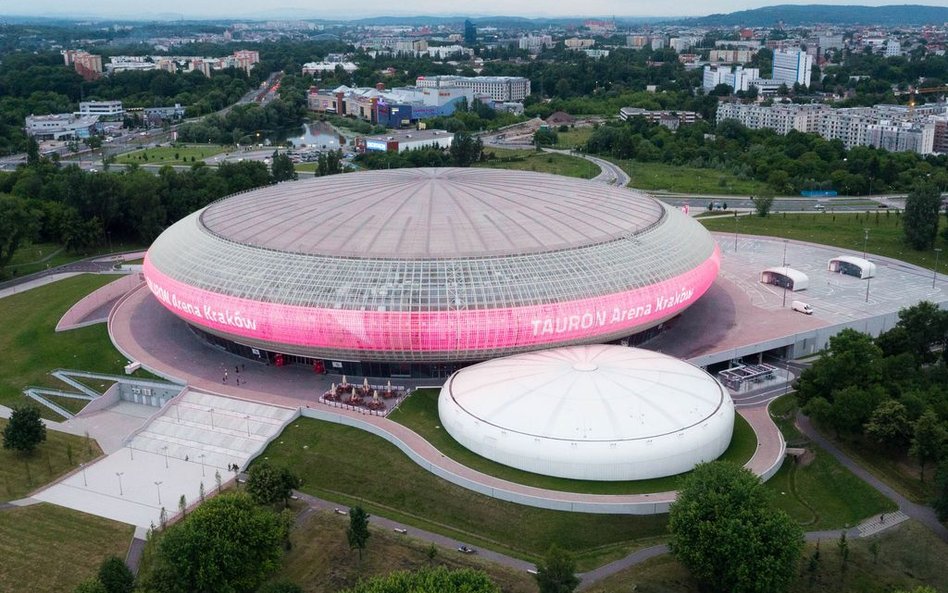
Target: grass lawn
column 541, row 162
column 838, row 229
column 908, row 556
column 420, row 413
column 672, row 178
column 31, row 347
column 60, row 453
column 900, row 473
column 165, row 155
column 320, row 560
column 351, row 466
column 574, row 138
column 35, row 257
column 819, row 493
column 50, row 549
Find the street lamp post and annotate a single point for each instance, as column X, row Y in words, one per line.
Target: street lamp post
column 84, row 482
column 785, row 273
column 158, row 486
column 735, row 231
column 935, row 270
column 165, row 450
column 211, row 412
column 119, row 475
column 247, row 418
column 201, row 456
column 868, row 280
column 865, row 243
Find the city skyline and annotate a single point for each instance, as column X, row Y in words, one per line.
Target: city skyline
column 243, row 9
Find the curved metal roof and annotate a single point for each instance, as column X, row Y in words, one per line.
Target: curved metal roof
column 431, row 213
column 588, row 393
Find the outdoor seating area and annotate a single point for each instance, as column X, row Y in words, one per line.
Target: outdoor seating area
column 735, row 378
column 375, row 398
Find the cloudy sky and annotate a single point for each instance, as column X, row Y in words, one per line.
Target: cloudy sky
column 326, row 8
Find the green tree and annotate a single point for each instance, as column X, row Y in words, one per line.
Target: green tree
column 853, row 406
column 726, row 532
column 24, row 431
column 282, row 168
column 18, row 224
column 889, row 426
column 940, row 502
column 928, row 439
column 762, row 205
column 545, row 137
column 228, row 544
column 358, row 532
column 267, row 484
column 115, row 575
column 852, row 359
column 465, row 149
column 920, row 221
column 428, row 580
column 556, row 573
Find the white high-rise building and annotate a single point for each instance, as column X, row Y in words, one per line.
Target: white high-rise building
column 893, row 48
column 792, row 67
column 738, row 77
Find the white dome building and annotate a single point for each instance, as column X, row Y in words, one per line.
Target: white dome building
column 592, row 412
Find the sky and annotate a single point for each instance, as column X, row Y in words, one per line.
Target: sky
column 282, row 9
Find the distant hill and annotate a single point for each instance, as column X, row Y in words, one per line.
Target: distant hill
column 795, row 15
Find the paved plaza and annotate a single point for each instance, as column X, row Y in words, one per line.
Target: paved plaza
column 193, row 438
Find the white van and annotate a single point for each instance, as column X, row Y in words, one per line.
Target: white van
column 801, row 307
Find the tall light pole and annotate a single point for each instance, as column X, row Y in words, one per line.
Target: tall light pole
column 201, row 456
column 211, row 412
column 935, row 270
column 865, row 243
column 786, row 276
column 84, row 482
column 165, row 450
column 158, row 486
column 247, row 418
column 735, row 231
column 868, row 280
column 119, row 475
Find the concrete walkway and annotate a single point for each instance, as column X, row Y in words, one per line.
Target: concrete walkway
column 921, row 513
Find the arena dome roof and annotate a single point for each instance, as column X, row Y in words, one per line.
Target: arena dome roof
column 430, row 265
column 589, row 412
column 430, row 213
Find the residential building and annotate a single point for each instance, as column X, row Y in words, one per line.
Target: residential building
column 792, row 67
column 637, row 41
column 738, row 77
column 893, row 48
column 535, row 43
column 731, row 56
column 89, row 66
column 319, row 67
column 683, row 44
column 892, row 127
column 445, row 52
column 577, row 43
column 668, row 118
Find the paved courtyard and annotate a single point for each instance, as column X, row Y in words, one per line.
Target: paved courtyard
column 195, row 438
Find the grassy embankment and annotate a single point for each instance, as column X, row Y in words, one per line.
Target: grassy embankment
column 843, row 230
column 50, row 549
column 32, row 348
column 181, row 154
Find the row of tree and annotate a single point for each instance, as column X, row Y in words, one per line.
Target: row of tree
column 888, row 395
column 787, row 163
column 83, row 210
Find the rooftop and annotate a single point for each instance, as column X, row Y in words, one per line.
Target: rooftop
column 431, row 213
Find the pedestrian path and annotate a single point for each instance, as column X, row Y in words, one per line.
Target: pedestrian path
column 881, row 522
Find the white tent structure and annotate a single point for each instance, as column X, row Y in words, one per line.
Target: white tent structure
column 853, row 266
column 785, row 277
column 592, row 412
